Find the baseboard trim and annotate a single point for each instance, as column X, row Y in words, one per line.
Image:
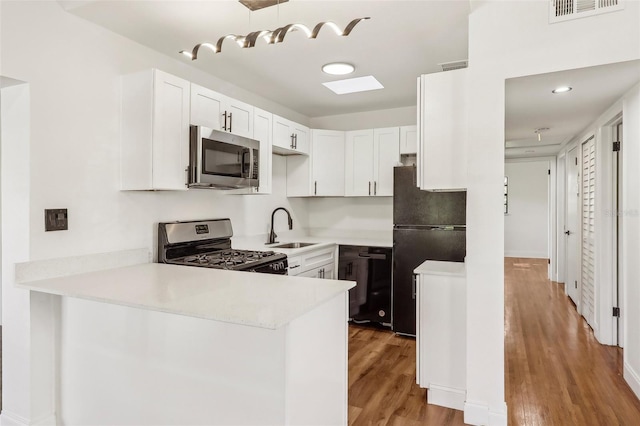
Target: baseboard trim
column 632, row 378
column 446, row 397
column 526, row 254
column 479, row 414
column 8, row 418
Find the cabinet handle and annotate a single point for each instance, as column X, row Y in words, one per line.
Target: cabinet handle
column 315, row 187
column 375, row 187
column 295, row 141
column 230, row 120
column 413, row 286
column 292, row 137
column 294, row 266
column 224, row 127
column 369, row 187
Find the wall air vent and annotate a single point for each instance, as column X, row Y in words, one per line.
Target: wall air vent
column 455, row 65
column 564, row 10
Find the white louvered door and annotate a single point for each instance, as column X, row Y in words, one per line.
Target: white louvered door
column 587, row 275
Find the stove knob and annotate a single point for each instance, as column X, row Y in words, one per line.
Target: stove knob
column 275, row 266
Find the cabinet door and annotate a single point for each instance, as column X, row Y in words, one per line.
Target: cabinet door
column 408, row 140
column 301, row 138
column 323, row 272
column 386, row 157
column 311, row 273
column 207, row 107
column 317, row 258
column 170, row 152
column 327, row 158
column 359, row 163
column 282, row 133
column 263, row 131
column 329, row 272
column 442, row 130
column 239, row 117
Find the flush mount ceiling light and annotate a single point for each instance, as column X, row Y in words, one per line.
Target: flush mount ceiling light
column 539, row 131
column 353, row 85
column 338, row 68
column 271, row 37
column 561, row 89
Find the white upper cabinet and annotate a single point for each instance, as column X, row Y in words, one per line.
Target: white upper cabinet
column 442, row 130
column 408, row 139
column 289, row 137
column 263, row 132
column 217, row 111
column 386, row 156
column 321, row 173
column 155, row 131
column 359, row 163
column 370, row 156
column 327, row 162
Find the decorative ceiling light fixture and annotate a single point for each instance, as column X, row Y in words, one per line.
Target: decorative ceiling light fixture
column 539, row 131
column 338, row 68
column 562, row 89
column 271, row 37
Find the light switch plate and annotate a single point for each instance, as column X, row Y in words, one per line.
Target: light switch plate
column 55, row 220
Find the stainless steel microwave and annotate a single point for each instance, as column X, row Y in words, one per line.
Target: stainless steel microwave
column 221, row 160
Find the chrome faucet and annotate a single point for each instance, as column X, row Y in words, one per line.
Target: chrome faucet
column 272, row 235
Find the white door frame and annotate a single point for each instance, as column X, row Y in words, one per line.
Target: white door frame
column 606, row 228
column 561, row 189
column 572, row 277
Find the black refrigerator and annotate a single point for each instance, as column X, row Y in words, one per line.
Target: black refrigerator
column 426, row 226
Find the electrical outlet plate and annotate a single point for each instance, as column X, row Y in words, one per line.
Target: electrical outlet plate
column 56, row 220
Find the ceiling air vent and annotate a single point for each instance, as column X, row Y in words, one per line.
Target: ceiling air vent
column 564, row 10
column 455, row 65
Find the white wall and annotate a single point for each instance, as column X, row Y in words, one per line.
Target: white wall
column 73, row 68
column 513, row 39
column 71, row 129
column 343, row 215
column 526, row 225
column 404, row 116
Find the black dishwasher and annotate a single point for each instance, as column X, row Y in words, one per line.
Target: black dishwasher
column 370, row 268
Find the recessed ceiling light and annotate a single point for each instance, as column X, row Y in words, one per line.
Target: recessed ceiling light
column 338, row 68
column 561, row 89
column 353, row 85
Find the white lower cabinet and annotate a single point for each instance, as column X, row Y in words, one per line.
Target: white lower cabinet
column 441, row 332
column 320, row 263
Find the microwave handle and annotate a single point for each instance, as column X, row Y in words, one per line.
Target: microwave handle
column 244, row 153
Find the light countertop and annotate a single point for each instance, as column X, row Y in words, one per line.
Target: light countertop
column 246, row 298
column 319, row 242
column 435, row 267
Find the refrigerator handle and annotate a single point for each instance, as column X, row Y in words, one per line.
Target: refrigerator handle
column 413, row 286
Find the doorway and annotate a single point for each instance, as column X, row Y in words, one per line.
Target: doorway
column 618, row 222
column 572, row 225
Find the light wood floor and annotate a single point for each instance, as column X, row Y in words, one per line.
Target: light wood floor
column 555, row 371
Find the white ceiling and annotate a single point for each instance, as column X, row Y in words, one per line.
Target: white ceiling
column 402, row 40
column 531, row 105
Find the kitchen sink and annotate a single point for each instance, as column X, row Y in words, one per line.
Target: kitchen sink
column 293, row 245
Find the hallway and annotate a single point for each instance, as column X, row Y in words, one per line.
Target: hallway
column 556, row 373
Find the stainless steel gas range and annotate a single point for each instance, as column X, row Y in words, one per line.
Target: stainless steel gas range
column 207, row 243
